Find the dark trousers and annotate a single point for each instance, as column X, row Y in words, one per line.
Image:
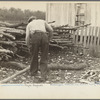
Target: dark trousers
column 39, row 42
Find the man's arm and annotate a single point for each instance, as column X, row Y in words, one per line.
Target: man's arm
column 49, row 30
column 27, row 36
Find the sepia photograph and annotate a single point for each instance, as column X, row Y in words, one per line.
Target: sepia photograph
column 50, row 43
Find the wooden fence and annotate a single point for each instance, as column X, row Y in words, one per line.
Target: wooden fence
column 90, row 38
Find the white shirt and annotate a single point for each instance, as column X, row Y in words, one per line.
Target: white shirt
column 37, row 25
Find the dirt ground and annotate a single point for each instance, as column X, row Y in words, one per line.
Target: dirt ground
column 87, row 75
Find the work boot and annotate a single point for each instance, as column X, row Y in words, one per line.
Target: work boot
column 34, row 74
column 38, row 80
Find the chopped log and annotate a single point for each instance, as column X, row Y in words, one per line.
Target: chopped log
column 64, row 42
column 16, row 64
column 55, row 45
column 21, row 28
column 56, row 37
column 14, row 25
column 19, row 56
column 11, row 25
column 10, row 43
column 4, row 54
column 2, row 29
column 52, row 66
column 13, row 65
column 15, row 31
column 8, row 36
column 72, row 28
column 16, row 74
column 21, row 43
column 75, row 66
column 60, row 39
column 6, row 51
column 51, row 22
column 2, row 24
column 24, row 48
column 59, row 27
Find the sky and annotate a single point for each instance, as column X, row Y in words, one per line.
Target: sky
column 32, row 5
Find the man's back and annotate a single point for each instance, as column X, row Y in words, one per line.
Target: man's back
column 37, row 25
column 40, row 25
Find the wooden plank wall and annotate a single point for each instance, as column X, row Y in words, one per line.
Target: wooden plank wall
column 62, row 13
column 93, row 14
column 65, row 13
column 89, row 38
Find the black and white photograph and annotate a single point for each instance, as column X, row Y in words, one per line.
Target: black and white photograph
column 52, row 43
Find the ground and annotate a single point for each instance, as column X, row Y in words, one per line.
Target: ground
column 87, row 75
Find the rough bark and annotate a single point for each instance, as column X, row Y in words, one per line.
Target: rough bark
column 10, row 43
column 8, row 36
column 11, row 25
column 6, row 51
column 52, row 66
column 75, row 66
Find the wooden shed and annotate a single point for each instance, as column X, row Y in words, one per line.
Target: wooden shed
column 76, row 14
column 62, row 13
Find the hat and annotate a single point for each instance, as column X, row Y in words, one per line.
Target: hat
column 31, row 18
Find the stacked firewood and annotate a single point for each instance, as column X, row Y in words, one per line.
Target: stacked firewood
column 12, row 39
column 63, row 36
column 9, row 35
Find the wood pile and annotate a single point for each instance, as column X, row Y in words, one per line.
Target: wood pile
column 12, row 39
column 63, row 35
column 9, row 35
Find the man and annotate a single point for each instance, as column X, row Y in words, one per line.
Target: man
column 37, row 38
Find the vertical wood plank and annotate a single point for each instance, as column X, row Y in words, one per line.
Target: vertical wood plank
column 91, row 41
column 95, row 36
column 93, row 13
column 81, row 35
column 95, row 44
column 73, row 14
column 73, row 36
column 89, row 35
column 76, row 40
column 88, row 13
column 98, row 42
column 77, row 33
column 85, row 38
